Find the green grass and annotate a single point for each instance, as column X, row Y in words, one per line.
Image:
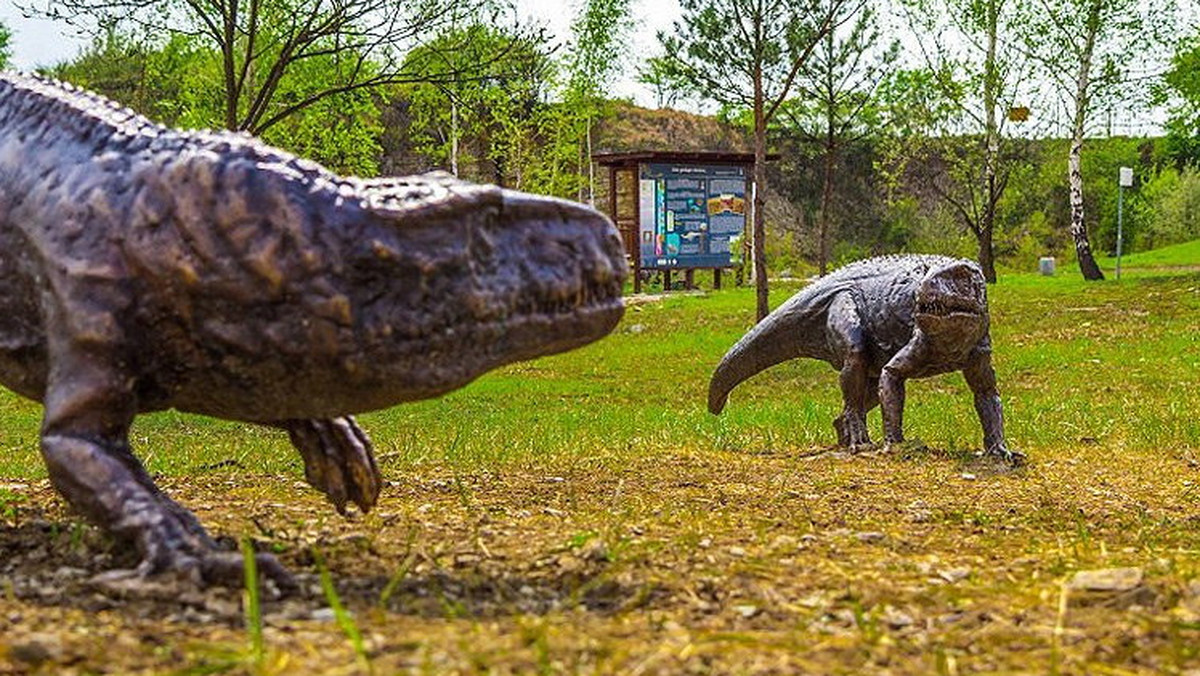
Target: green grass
column 654, row 537
column 1185, row 255
column 1112, row 362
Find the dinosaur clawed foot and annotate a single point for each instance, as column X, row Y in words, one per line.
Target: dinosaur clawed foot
column 852, row 436
column 177, row 554
column 339, row 460
column 1001, row 453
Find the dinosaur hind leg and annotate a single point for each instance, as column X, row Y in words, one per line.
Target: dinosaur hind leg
column 844, row 328
column 339, row 460
column 839, row 423
column 85, row 443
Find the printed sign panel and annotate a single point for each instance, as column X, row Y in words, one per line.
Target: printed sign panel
column 693, row 215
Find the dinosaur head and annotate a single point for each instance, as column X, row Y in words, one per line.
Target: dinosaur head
column 952, row 297
column 471, row 277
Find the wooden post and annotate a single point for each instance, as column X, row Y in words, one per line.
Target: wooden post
column 666, row 279
column 717, row 278
column 689, row 279
column 637, row 229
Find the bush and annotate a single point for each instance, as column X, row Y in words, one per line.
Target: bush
column 1173, row 201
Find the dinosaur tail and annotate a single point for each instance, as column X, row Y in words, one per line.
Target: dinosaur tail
column 774, row 340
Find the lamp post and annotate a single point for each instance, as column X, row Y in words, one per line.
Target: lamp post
column 1124, row 180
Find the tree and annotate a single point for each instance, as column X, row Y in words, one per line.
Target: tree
column 599, row 33
column 1180, row 87
column 177, row 83
column 657, row 74
column 263, row 44
column 491, row 115
column 974, row 68
column 833, row 106
column 5, row 45
column 748, row 54
column 1085, row 47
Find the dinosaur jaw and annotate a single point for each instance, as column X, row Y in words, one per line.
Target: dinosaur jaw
column 509, row 277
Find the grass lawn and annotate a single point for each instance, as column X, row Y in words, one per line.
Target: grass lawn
column 585, row 514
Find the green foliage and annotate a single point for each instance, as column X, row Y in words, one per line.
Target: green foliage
column 1172, row 199
column 597, row 51
column 481, row 128
column 5, row 45
column 1181, row 85
column 178, row 83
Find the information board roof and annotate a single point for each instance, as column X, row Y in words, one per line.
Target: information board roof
column 667, row 156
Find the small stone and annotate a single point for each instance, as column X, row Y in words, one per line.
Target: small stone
column 897, row 619
column 705, row 543
column 1106, row 579
column 569, row 563
column 737, row 551
column 967, row 476
column 323, row 615
column 785, row 542
column 955, row 574
column 870, row 537
column 595, row 551
column 425, row 508
column 747, row 611
column 38, row 649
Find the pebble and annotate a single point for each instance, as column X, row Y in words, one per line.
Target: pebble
column 747, row 611
column 323, row 615
column 38, row 649
column 1106, row 579
column 955, row 574
column 870, row 537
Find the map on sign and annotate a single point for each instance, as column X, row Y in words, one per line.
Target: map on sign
column 692, row 215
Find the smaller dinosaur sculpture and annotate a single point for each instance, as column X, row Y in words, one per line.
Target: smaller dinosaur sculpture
column 880, row 322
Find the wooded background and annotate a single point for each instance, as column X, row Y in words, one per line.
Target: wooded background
column 980, row 128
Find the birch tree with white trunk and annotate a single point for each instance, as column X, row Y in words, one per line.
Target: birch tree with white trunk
column 1092, row 52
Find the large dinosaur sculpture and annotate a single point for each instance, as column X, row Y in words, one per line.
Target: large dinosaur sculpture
column 143, row 268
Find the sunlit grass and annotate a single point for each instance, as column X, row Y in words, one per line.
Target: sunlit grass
column 1116, row 364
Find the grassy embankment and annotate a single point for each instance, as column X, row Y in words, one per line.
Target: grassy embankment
column 585, row 513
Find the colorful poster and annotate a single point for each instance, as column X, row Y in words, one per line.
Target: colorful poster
column 690, row 213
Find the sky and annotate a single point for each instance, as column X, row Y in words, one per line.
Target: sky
column 39, row 42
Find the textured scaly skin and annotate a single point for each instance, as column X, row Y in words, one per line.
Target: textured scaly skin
column 880, row 322
column 143, row 268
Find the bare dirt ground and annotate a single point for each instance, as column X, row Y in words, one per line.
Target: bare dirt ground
column 686, row 562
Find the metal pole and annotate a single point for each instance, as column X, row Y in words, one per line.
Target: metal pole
column 1120, row 224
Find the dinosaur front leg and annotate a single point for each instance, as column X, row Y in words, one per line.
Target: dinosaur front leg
column 846, row 337
column 891, row 388
column 84, row 441
column 981, row 378
column 339, row 460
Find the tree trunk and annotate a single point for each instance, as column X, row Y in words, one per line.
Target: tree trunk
column 991, row 151
column 454, row 137
column 987, row 260
column 823, row 234
column 591, row 166
column 760, row 184
column 1083, row 248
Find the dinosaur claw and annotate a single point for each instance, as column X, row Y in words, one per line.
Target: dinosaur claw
column 339, row 461
column 1001, row 452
